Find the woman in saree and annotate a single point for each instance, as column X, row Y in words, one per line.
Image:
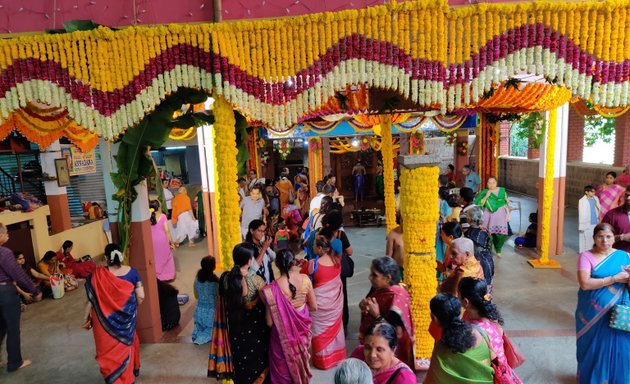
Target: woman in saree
column 481, row 239
column 289, row 299
column 379, row 352
column 389, row 301
column 329, row 341
column 610, row 194
column 243, row 312
column 602, row 352
column 461, row 355
column 114, row 293
column 162, row 243
column 79, row 269
column 49, row 265
column 481, row 312
column 496, row 214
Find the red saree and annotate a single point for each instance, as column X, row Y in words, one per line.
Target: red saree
column 114, row 320
column 394, row 306
column 329, row 342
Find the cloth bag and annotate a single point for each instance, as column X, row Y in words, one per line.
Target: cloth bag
column 620, row 316
column 514, row 357
column 503, row 373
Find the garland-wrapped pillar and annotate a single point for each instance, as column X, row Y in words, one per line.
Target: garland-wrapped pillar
column 225, row 154
column 315, row 166
column 388, row 171
column 552, row 174
column 420, row 212
column 488, row 149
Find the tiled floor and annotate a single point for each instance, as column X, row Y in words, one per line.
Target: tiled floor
column 538, row 307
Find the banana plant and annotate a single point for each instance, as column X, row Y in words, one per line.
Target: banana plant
column 134, row 158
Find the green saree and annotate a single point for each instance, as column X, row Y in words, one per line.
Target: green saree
column 494, row 202
column 470, row 367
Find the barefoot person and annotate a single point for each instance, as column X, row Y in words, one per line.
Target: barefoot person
column 10, row 273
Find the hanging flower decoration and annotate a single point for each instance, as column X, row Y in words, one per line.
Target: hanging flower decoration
column 283, row 148
column 462, row 148
column 355, row 144
column 451, row 138
column 416, row 141
column 261, row 143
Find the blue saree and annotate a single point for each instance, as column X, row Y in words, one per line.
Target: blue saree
column 602, row 352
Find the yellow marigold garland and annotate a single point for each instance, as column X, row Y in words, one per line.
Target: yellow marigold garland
column 550, row 149
column 387, row 151
column 225, row 156
column 419, row 209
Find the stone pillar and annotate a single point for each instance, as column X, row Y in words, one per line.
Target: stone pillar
column 556, row 203
column 504, row 138
column 622, row 140
column 140, row 253
column 419, row 210
column 57, row 196
column 315, row 173
column 575, row 144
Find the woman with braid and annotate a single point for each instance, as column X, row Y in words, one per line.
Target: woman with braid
column 289, row 299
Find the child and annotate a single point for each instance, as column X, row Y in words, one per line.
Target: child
column 206, row 288
column 281, row 239
column 529, row 240
column 588, row 217
column 453, row 203
column 272, row 224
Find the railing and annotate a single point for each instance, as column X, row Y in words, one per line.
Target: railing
column 7, row 183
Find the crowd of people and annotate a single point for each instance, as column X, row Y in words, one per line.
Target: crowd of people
column 275, row 314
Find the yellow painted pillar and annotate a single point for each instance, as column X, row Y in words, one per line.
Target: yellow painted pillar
column 387, row 151
column 420, row 213
column 225, row 153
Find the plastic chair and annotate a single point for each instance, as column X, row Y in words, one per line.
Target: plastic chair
column 516, row 206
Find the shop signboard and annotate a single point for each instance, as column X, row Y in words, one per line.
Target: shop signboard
column 79, row 162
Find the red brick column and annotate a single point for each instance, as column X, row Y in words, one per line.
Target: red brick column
column 575, row 144
column 504, row 138
column 532, row 153
column 622, row 140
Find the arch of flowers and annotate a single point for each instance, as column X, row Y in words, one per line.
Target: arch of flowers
column 282, row 72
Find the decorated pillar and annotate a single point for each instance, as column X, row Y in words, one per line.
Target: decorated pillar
column 225, row 151
column 315, row 170
column 388, row 171
column 420, row 212
column 56, row 195
column 622, row 140
column 488, row 148
column 552, row 174
column 205, row 143
column 140, row 254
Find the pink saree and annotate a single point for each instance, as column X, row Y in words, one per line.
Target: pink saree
column 290, row 338
column 329, row 342
column 608, row 198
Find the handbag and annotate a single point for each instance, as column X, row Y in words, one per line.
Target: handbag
column 514, row 357
column 503, row 373
column 620, row 316
column 347, row 266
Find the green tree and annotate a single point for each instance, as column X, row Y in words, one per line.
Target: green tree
column 599, row 128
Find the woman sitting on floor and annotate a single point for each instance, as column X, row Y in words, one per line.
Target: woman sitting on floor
column 38, row 279
column 79, row 269
column 49, row 266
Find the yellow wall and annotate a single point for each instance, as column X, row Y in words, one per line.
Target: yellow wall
column 88, row 239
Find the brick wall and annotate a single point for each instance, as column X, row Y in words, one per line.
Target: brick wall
column 622, row 140
column 575, row 142
column 504, row 138
column 521, row 175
